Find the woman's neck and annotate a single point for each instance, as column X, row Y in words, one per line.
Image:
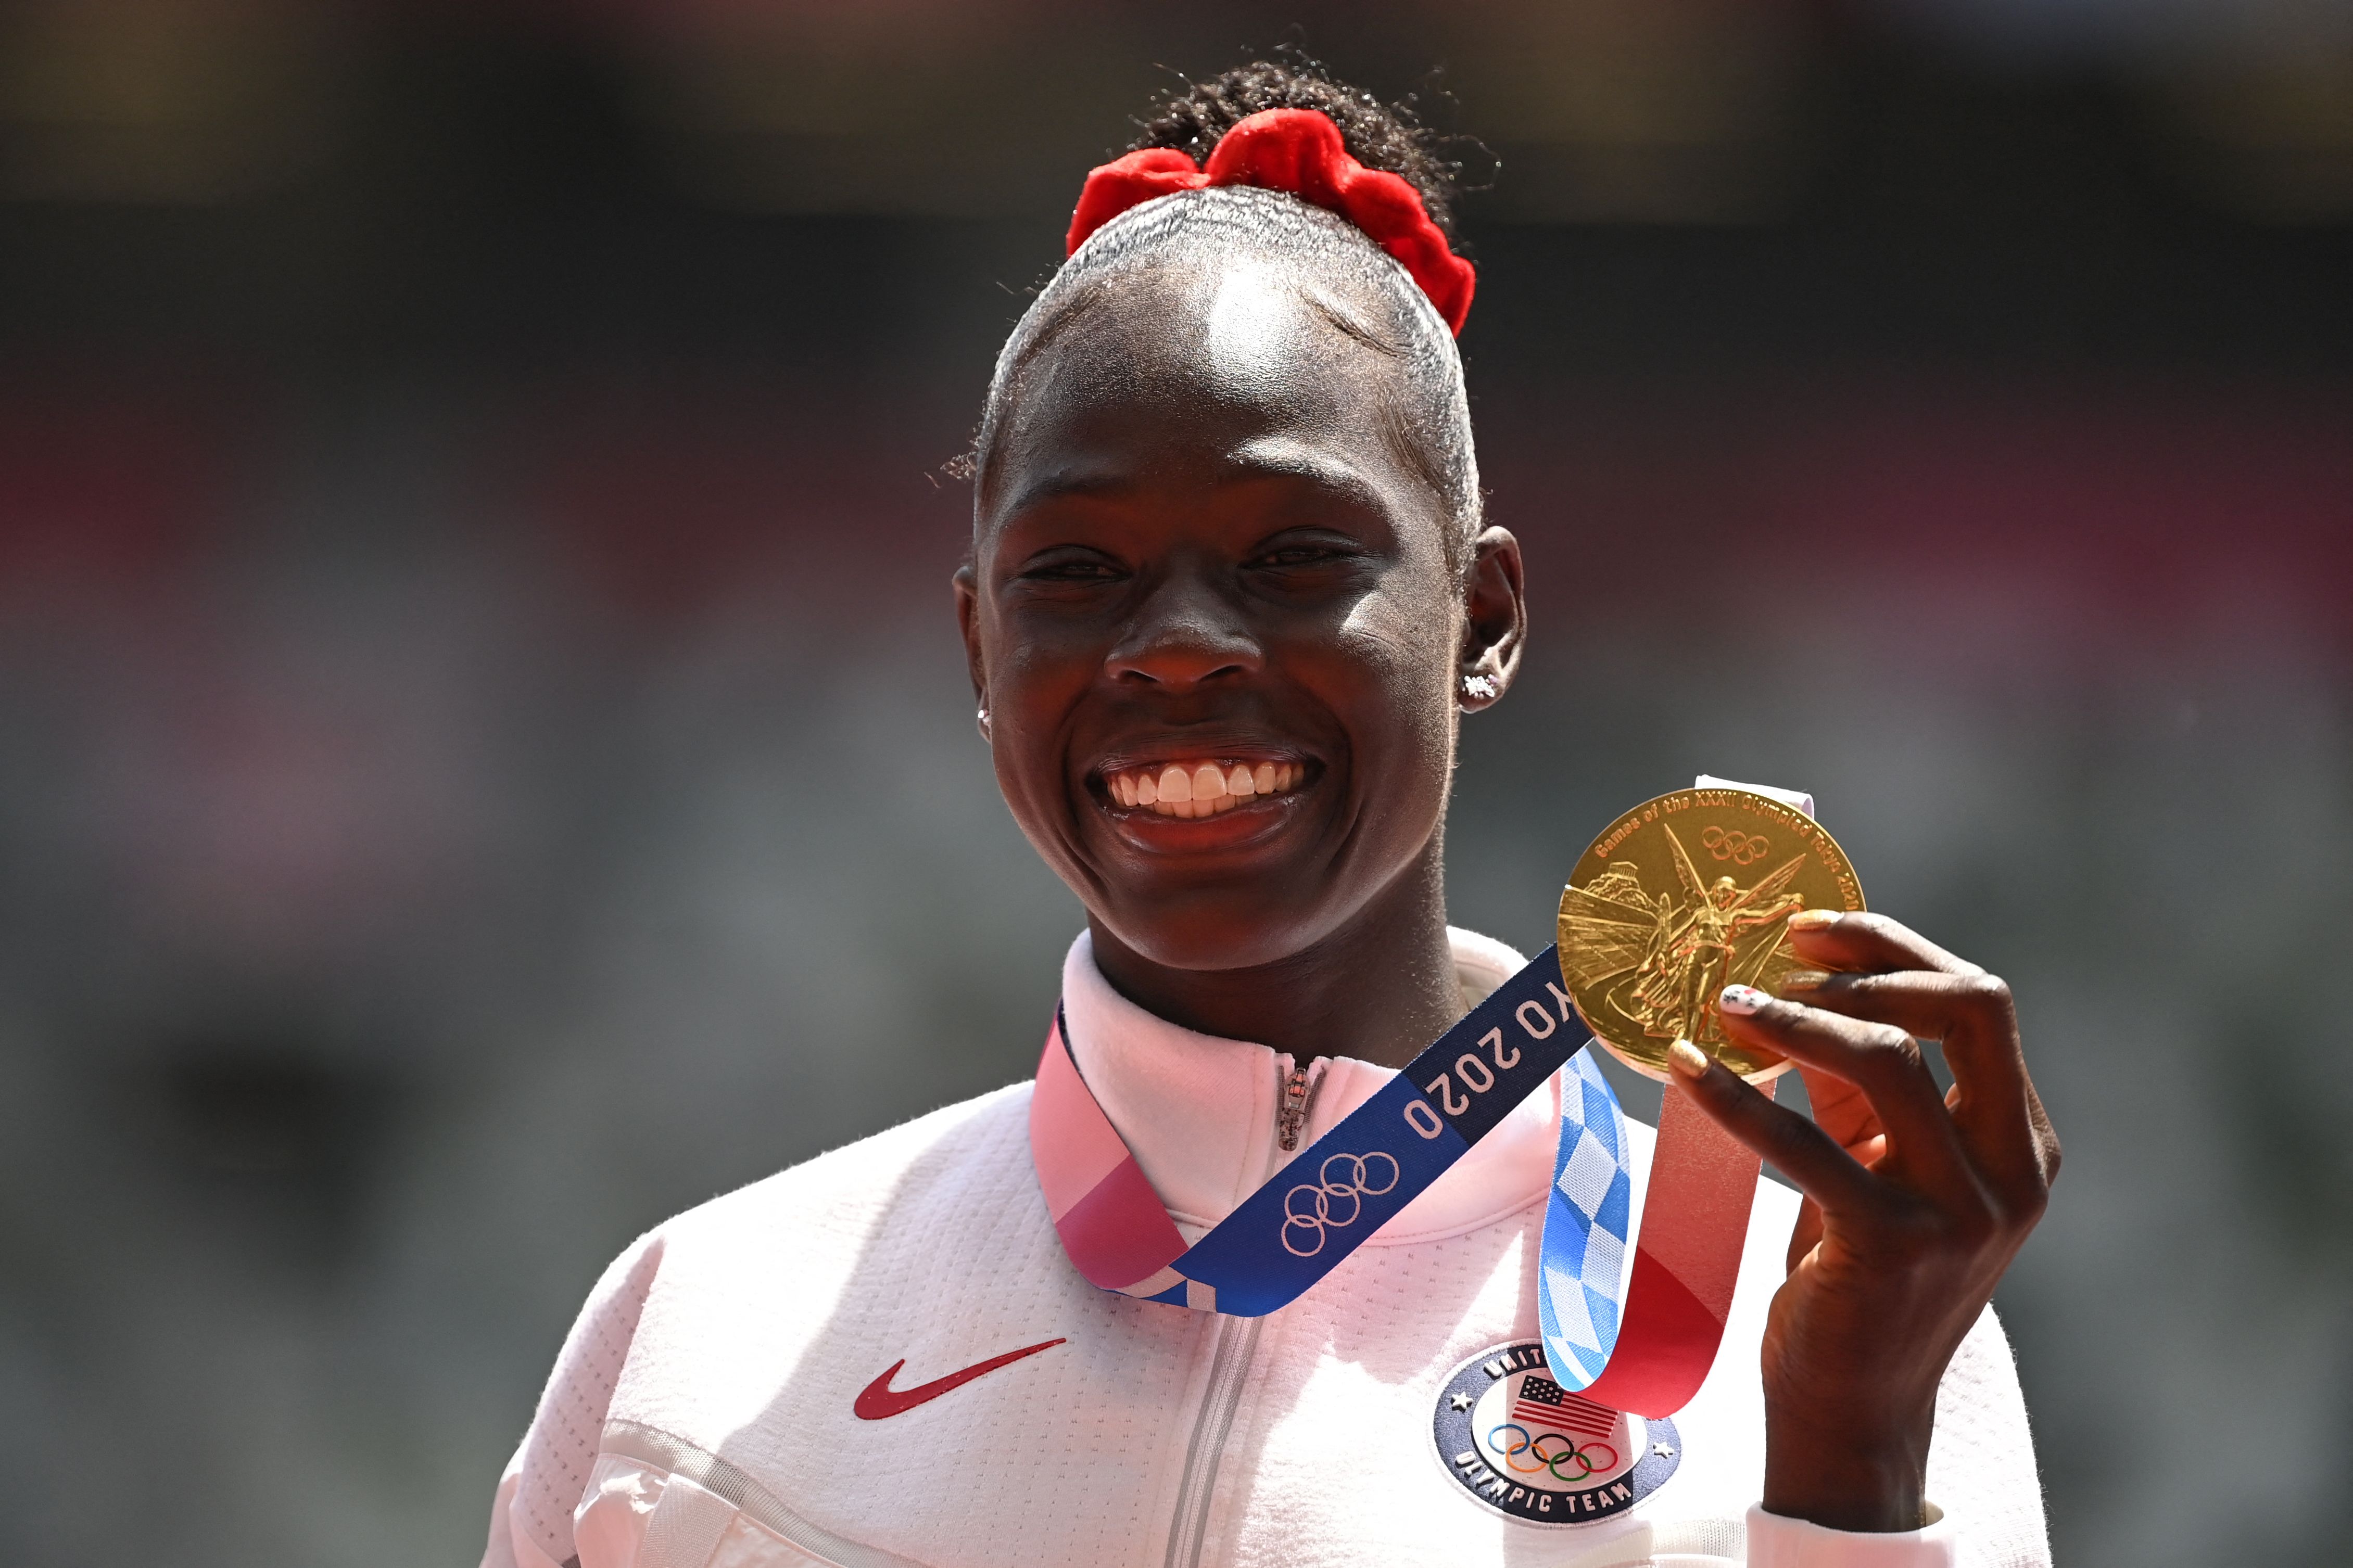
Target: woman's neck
column 1379, row 989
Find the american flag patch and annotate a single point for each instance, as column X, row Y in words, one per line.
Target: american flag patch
column 1544, row 1403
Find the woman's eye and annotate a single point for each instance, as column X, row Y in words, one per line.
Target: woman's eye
column 1296, row 556
column 1071, row 572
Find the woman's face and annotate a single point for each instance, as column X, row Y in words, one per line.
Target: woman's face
column 1211, row 617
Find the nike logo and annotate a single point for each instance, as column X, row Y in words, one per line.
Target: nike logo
column 879, row 1400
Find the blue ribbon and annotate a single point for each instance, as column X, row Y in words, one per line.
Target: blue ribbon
column 1330, row 1200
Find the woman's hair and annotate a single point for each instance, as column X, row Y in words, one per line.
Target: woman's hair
column 1378, row 135
column 1207, row 230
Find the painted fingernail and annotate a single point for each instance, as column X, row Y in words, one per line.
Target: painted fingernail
column 1687, row 1059
column 1742, row 1000
column 1803, row 980
column 1815, row 919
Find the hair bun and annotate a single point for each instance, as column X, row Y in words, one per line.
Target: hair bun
column 1297, row 152
column 1386, row 137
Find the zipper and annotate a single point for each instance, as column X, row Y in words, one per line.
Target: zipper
column 1234, row 1342
column 1291, row 1114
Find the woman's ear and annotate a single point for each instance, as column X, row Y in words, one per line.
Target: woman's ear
column 1495, row 620
column 967, row 598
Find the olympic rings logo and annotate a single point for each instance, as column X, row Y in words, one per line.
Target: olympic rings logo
column 1325, row 1196
column 1731, row 844
column 1570, row 1453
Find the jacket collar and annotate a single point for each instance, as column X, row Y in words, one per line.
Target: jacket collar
column 1198, row 1112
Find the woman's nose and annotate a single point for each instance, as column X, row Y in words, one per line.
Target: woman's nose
column 1183, row 634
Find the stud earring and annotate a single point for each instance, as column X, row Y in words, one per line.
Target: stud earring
column 983, row 717
column 1479, row 688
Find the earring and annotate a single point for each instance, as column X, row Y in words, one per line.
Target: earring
column 1479, row 688
column 983, row 717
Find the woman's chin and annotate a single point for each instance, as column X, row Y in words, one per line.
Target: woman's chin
column 1210, row 931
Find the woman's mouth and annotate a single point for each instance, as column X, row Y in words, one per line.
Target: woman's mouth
column 1203, row 787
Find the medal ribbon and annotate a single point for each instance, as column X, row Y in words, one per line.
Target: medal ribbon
column 1322, row 1206
column 1686, row 1263
column 1649, row 1357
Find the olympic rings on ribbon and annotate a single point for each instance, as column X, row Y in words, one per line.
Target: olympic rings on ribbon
column 1325, row 1192
column 1581, row 1454
column 1731, row 844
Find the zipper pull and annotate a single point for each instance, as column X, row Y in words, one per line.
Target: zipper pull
column 1293, row 1113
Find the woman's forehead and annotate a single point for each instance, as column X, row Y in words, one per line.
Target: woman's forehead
column 1175, row 373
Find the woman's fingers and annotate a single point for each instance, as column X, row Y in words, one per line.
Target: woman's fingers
column 1860, row 940
column 1973, row 1016
column 1939, row 997
column 1823, row 1171
column 1882, row 1059
column 1989, row 1150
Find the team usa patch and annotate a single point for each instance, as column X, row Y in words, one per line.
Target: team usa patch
column 1531, row 1450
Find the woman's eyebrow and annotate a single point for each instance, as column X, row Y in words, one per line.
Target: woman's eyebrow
column 1292, row 461
column 1270, row 458
column 1067, row 483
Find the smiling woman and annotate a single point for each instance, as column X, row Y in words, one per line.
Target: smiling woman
column 1228, row 598
column 1214, row 538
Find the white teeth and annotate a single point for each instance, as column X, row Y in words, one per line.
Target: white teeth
column 1189, row 790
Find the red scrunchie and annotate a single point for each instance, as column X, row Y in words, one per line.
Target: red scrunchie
column 1298, row 150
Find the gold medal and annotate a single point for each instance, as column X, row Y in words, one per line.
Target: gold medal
column 1683, row 896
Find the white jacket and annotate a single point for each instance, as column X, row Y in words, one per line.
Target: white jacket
column 700, row 1415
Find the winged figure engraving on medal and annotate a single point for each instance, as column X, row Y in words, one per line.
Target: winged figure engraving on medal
column 1660, row 958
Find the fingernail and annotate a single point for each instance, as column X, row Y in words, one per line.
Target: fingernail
column 1687, row 1059
column 1815, row 919
column 1803, row 980
column 1742, row 1000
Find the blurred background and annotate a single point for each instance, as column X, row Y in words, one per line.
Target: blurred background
column 485, row 761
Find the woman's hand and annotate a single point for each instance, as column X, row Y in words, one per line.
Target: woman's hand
column 1914, row 1201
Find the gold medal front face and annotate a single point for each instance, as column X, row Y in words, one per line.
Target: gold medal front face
column 1683, row 896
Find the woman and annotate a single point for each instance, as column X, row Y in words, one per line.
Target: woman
column 1228, row 596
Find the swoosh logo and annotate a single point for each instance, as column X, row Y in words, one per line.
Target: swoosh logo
column 878, row 1401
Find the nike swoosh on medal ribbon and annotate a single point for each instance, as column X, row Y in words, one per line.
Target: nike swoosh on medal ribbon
column 879, row 1400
